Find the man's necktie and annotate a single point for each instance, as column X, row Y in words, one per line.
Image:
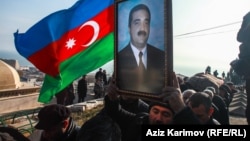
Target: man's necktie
column 141, row 72
column 141, row 65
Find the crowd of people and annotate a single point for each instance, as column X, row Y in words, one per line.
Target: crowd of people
column 122, row 116
column 68, row 95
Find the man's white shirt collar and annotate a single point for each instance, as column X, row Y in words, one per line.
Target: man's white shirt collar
column 136, row 54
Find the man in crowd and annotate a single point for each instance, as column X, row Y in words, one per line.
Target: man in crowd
column 171, row 110
column 82, row 89
column 55, row 124
column 201, row 105
column 242, row 65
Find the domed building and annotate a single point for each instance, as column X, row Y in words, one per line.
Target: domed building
column 9, row 78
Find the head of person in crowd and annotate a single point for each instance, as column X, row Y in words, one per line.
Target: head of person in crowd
column 133, row 104
column 183, row 83
column 224, row 92
column 217, row 112
column 180, row 80
column 244, row 33
column 201, row 105
column 100, row 127
column 160, row 113
column 232, row 87
column 84, row 76
column 11, row 134
column 54, row 120
column 224, row 88
column 209, row 92
column 139, row 25
column 212, row 89
column 186, row 94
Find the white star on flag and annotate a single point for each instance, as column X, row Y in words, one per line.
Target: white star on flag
column 70, row 43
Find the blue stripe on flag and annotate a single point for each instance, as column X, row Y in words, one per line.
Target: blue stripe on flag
column 52, row 27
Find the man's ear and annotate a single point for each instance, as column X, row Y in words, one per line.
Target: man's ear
column 211, row 111
column 65, row 123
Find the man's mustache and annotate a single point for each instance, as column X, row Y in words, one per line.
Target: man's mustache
column 142, row 33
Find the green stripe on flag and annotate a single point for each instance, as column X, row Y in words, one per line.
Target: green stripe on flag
column 80, row 64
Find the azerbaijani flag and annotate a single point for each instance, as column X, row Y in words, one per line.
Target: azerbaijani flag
column 69, row 43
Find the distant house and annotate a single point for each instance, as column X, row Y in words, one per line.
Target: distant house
column 11, row 62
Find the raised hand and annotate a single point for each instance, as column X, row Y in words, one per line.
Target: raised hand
column 173, row 96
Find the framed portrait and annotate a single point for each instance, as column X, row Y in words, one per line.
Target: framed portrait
column 143, row 47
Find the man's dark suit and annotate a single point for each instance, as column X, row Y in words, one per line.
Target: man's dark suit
column 127, row 70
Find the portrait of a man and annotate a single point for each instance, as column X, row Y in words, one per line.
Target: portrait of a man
column 140, row 65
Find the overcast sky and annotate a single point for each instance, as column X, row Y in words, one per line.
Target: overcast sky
column 193, row 52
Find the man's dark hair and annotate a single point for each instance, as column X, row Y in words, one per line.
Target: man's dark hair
column 200, row 98
column 136, row 8
column 101, row 127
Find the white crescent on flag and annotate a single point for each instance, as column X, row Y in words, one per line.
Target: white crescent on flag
column 96, row 27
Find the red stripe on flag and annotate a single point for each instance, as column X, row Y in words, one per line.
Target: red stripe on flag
column 49, row 58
